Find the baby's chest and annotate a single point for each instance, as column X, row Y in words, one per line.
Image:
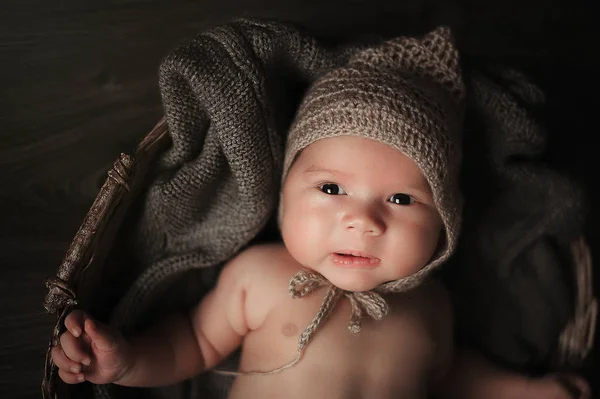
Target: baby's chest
column 399, row 344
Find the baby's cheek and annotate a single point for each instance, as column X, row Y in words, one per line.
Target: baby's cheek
column 426, row 241
column 304, row 238
column 425, row 228
column 293, row 232
column 412, row 244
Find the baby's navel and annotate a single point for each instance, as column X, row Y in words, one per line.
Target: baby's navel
column 289, row 329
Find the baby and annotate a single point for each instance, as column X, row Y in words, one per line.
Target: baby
column 369, row 207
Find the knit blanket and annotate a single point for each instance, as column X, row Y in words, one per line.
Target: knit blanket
column 229, row 96
column 514, row 285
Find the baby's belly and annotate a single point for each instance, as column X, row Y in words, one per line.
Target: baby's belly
column 295, row 384
column 310, row 386
column 387, row 359
column 315, row 381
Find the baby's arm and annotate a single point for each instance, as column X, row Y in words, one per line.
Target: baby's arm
column 174, row 349
column 473, row 376
column 462, row 373
column 186, row 346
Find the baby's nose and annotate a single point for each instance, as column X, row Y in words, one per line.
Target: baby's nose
column 364, row 220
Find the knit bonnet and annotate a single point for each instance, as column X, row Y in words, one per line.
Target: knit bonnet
column 406, row 93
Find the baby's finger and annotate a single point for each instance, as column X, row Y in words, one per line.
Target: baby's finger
column 70, row 378
column 74, row 322
column 63, row 362
column 577, row 386
column 71, row 346
column 582, row 385
column 102, row 337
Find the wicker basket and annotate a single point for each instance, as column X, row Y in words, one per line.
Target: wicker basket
column 87, row 253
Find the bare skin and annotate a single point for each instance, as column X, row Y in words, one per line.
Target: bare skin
column 391, row 358
column 336, row 363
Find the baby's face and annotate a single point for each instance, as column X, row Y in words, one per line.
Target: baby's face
column 358, row 212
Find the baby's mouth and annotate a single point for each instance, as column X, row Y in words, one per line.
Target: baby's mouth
column 353, row 258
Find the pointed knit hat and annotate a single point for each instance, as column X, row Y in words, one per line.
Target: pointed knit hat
column 406, row 93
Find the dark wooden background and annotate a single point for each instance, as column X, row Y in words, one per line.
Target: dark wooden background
column 78, row 86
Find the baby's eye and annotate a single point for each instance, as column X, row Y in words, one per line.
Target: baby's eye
column 402, row 199
column 332, row 189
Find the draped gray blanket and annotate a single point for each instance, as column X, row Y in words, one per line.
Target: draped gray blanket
column 229, row 95
column 514, row 285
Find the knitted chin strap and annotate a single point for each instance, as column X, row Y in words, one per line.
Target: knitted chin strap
column 303, row 283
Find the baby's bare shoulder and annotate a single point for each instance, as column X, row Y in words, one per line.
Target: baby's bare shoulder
column 264, row 271
column 439, row 316
column 434, row 303
column 437, row 293
column 263, row 262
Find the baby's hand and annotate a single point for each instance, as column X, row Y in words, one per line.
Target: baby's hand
column 90, row 351
column 559, row 386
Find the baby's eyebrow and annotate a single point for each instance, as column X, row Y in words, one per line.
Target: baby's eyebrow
column 320, row 169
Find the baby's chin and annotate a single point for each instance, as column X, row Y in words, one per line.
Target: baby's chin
column 359, row 280
column 354, row 283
